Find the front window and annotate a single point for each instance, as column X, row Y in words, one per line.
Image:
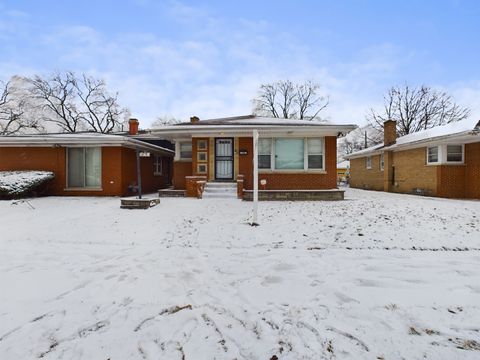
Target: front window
column 454, row 153
column 84, row 167
column 186, row 150
column 264, row 153
column 432, row 154
column 289, row 154
column 157, row 165
column 382, row 162
column 315, row 153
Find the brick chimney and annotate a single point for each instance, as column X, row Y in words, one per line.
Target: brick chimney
column 194, row 119
column 133, row 126
column 389, row 132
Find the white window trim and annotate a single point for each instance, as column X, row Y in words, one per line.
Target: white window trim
column 198, row 168
column 305, row 157
column 368, row 162
column 178, row 152
column 442, row 155
column 382, row 161
column 200, row 152
column 157, row 160
column 455, row 162
column 83, row 188
column 439, row 152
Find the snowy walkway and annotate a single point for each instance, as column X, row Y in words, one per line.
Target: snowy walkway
column 373, row 277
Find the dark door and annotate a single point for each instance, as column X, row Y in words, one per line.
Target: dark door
column 224, row 159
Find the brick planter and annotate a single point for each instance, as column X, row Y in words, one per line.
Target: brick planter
column 139, row 203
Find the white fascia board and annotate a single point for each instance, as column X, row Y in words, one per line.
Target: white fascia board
column 77, row 141
column 232, row 130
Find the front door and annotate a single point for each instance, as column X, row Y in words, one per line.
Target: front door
column 224, row 159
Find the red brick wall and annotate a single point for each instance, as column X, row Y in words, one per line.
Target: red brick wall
column 472, row 170
column 451, row 181
column 150, row 182
column 180, row 170
column 288, row 181
column 118, row 168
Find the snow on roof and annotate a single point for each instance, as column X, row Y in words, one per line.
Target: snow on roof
column 368, row 150
column 254, row 120
column 443, row 130
column 449, row 130
column 343, row 164
column 86, row 138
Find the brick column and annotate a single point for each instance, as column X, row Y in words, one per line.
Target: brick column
column 240, row 186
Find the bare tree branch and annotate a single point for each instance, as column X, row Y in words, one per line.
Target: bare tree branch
column 13, row 106
column 416, row 109
column 284, row 99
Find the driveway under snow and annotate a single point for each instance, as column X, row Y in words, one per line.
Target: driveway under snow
column 377, row 276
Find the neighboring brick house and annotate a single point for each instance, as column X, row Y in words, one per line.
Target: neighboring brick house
column 294, row 155
column 343, row 171
column 443, row 161
column 88, row 163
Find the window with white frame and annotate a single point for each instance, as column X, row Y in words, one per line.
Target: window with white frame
column 84, row 167
column 382, row 162
column 186, row 150
column 454, row 153
column 315, row 153
column 291, row 153
column 157, row 165
column 368, row 162
column 432, row 155
column 264, row 153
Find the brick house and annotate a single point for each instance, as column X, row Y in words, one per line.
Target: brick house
column 89, row 163
column 297, row 158
column 443, row 161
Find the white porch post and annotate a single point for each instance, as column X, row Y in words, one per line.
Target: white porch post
column 255, row 177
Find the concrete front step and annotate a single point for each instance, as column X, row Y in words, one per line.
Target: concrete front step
column 220, row 190
column 219, row 196
column 221, row 185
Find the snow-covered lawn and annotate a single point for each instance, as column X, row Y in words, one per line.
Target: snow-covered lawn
column 377, row 276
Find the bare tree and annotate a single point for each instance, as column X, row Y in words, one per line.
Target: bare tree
column 100, row 111
column 307, row 99
column 416, row 109
column 76, row 104
column 285, row 99
column 14, row 117
column 165, row 120
column 57, row 100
